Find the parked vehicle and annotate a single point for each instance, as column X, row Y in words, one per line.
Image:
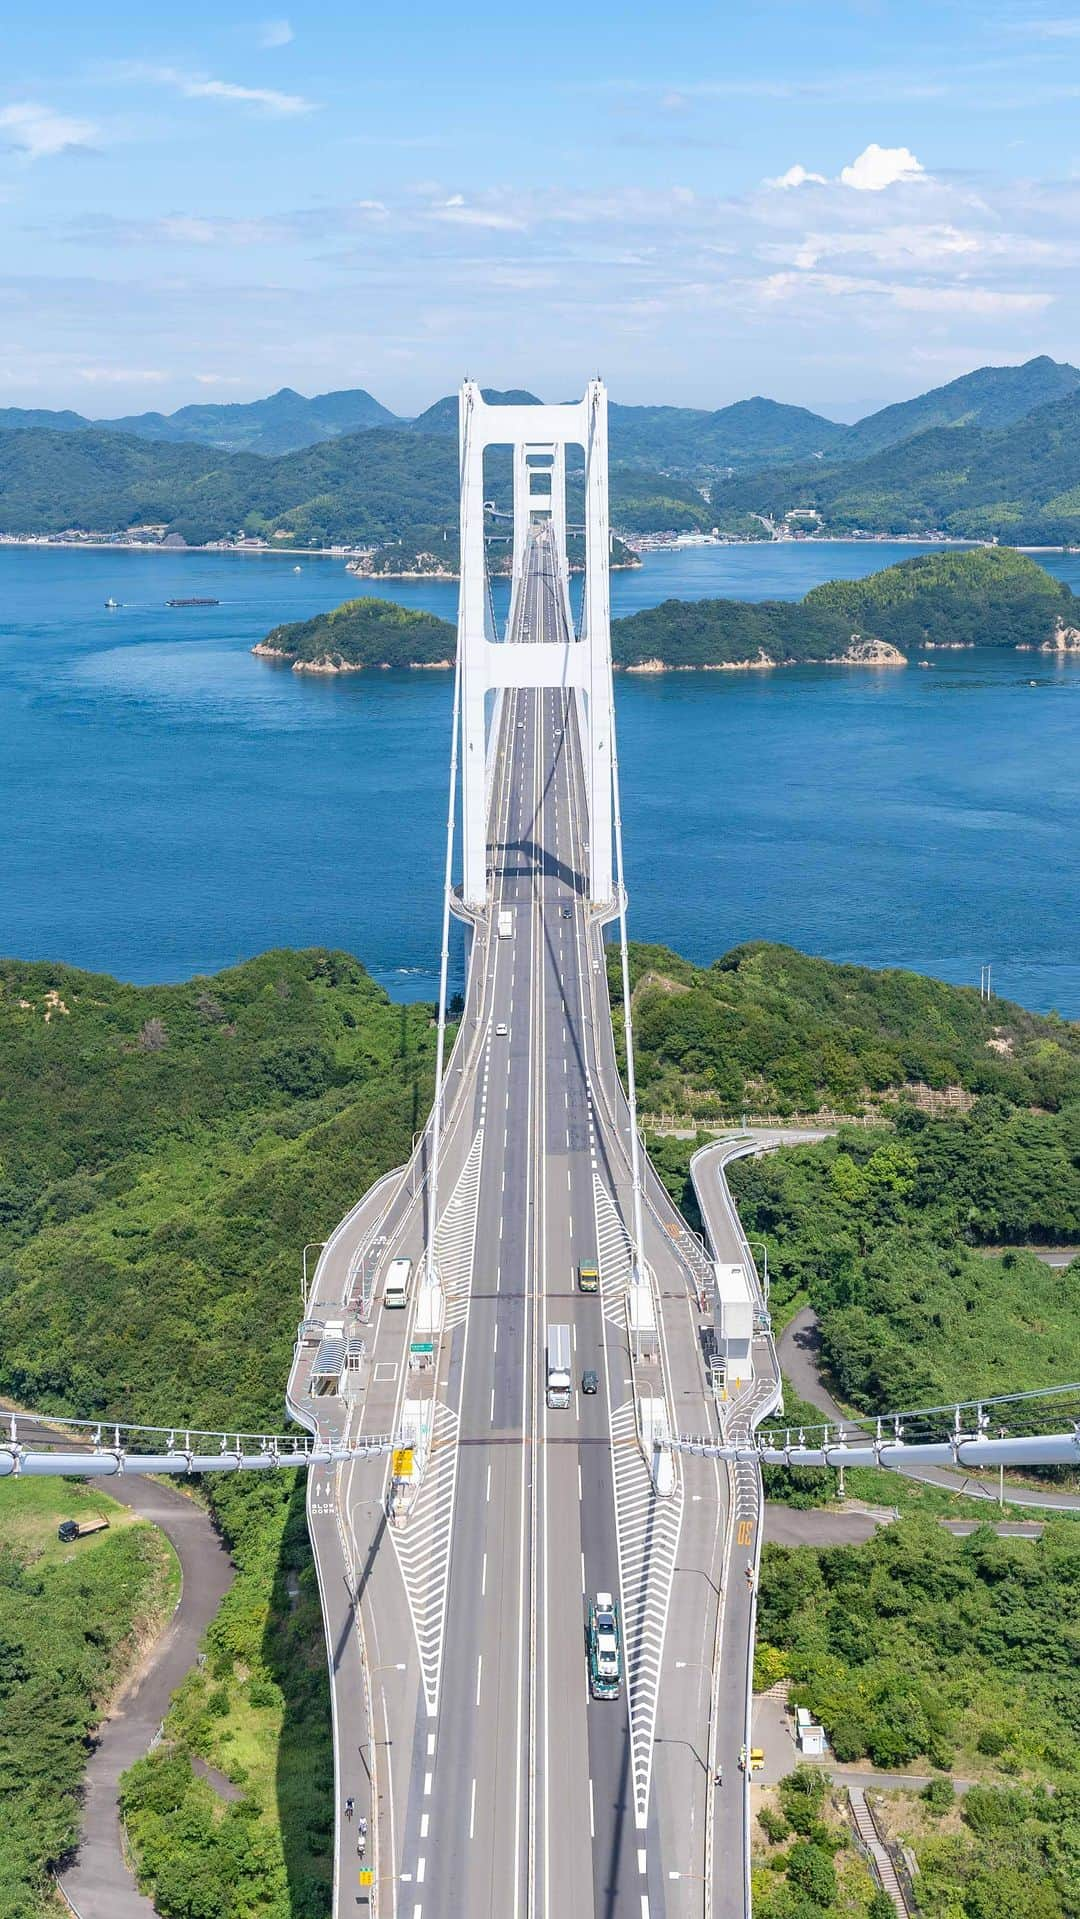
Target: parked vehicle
column 71, row 1529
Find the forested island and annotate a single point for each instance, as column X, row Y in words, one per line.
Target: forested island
column 990, row 596
column 165, row 1149
column 361, row 633
column 987, row 597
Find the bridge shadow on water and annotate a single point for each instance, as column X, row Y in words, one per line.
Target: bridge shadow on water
column 294, row 1653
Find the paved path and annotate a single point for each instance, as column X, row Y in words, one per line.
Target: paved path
column 799, row 1349
column 97, row 1884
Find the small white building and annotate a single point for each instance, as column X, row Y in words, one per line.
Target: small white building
column 809, row 1736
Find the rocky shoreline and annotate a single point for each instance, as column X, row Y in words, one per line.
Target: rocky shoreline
column 858, row 652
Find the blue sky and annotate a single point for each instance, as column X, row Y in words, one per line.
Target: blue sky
column 837, row 204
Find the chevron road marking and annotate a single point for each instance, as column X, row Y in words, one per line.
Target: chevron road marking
column 422, row 1544
column 613, row 1254
column 648, row 1531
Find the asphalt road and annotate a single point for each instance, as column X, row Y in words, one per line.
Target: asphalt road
column 464, row 1731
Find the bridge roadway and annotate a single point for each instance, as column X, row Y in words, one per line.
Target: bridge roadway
column 463, row 1726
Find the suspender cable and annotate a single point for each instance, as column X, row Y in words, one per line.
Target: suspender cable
column 628, row 1023
column 444, row 966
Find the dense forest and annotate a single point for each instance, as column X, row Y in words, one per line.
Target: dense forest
column 990, row 596
column 363, row 633
column 165, row 1153
column 1019, row 482
column 918, row 1647
column 769, row 1029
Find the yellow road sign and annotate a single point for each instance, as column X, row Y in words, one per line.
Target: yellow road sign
column 403, row 1462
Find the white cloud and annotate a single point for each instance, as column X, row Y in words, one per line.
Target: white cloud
column 979, row 302
column 879, row 167
column 196, row 86
column 121, row 375
column 456, row 212
column 797, row 176
column 275, row 33
column 38, row 132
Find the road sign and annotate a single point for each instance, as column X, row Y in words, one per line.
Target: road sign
column 403, row 1462
column 367, row 1877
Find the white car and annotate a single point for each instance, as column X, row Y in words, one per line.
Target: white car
column 501, row 1030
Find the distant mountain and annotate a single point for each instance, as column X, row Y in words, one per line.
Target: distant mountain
column 751, row 433
column 443, row 416
column 1019, row 483
column 282, row 423
column 992, row 396
column 17, row 419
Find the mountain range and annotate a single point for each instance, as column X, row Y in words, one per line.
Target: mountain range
column 688, row 441
column 994, row 454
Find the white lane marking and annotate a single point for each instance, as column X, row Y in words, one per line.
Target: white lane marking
column 495, row 1341
column 430, row 1744
column 641, row 1862
column 483, row 1577
column 592, row 1816
column 421, row 1868
column 491, row 1415
column 644, row 1905
column 427, row 1784
column 425, row 1821
column 583, row 1573
column 487, row 1494
column 579, row 1493
column 472, row 1810
column 479, row 1670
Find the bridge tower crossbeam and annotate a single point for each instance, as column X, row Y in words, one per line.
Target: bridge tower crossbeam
column 538, row 437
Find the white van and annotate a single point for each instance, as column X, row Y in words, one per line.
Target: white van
column 396, row 1289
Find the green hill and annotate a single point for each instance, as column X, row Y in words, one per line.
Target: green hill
column 989, row 596
column 991, row 396
column 1019, row 483
column 692, row 440
column 361, row 633
column 768, row 1029
column 376, row 485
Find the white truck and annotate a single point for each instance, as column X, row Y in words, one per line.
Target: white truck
column 396, row 1288
column 558, row 1366
column 506, row 924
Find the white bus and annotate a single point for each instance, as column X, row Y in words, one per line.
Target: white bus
column 396, row 1289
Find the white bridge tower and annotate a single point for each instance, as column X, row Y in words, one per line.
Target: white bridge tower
column 538, row 437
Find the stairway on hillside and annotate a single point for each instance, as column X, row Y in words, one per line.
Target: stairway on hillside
column 866, row 1827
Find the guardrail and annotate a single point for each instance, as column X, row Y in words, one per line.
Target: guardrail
column 102, row 1449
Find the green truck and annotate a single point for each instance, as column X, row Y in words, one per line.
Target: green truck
column 604, row 1639
column 588, row 1276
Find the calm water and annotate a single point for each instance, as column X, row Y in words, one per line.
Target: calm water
column 171, row 805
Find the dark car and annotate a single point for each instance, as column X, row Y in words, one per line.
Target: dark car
column 568, row 913
column 590, row 1381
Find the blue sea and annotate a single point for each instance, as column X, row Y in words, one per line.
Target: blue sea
column 171, row 805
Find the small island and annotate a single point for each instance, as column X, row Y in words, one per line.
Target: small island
column 360, row 634
column 987, row 596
